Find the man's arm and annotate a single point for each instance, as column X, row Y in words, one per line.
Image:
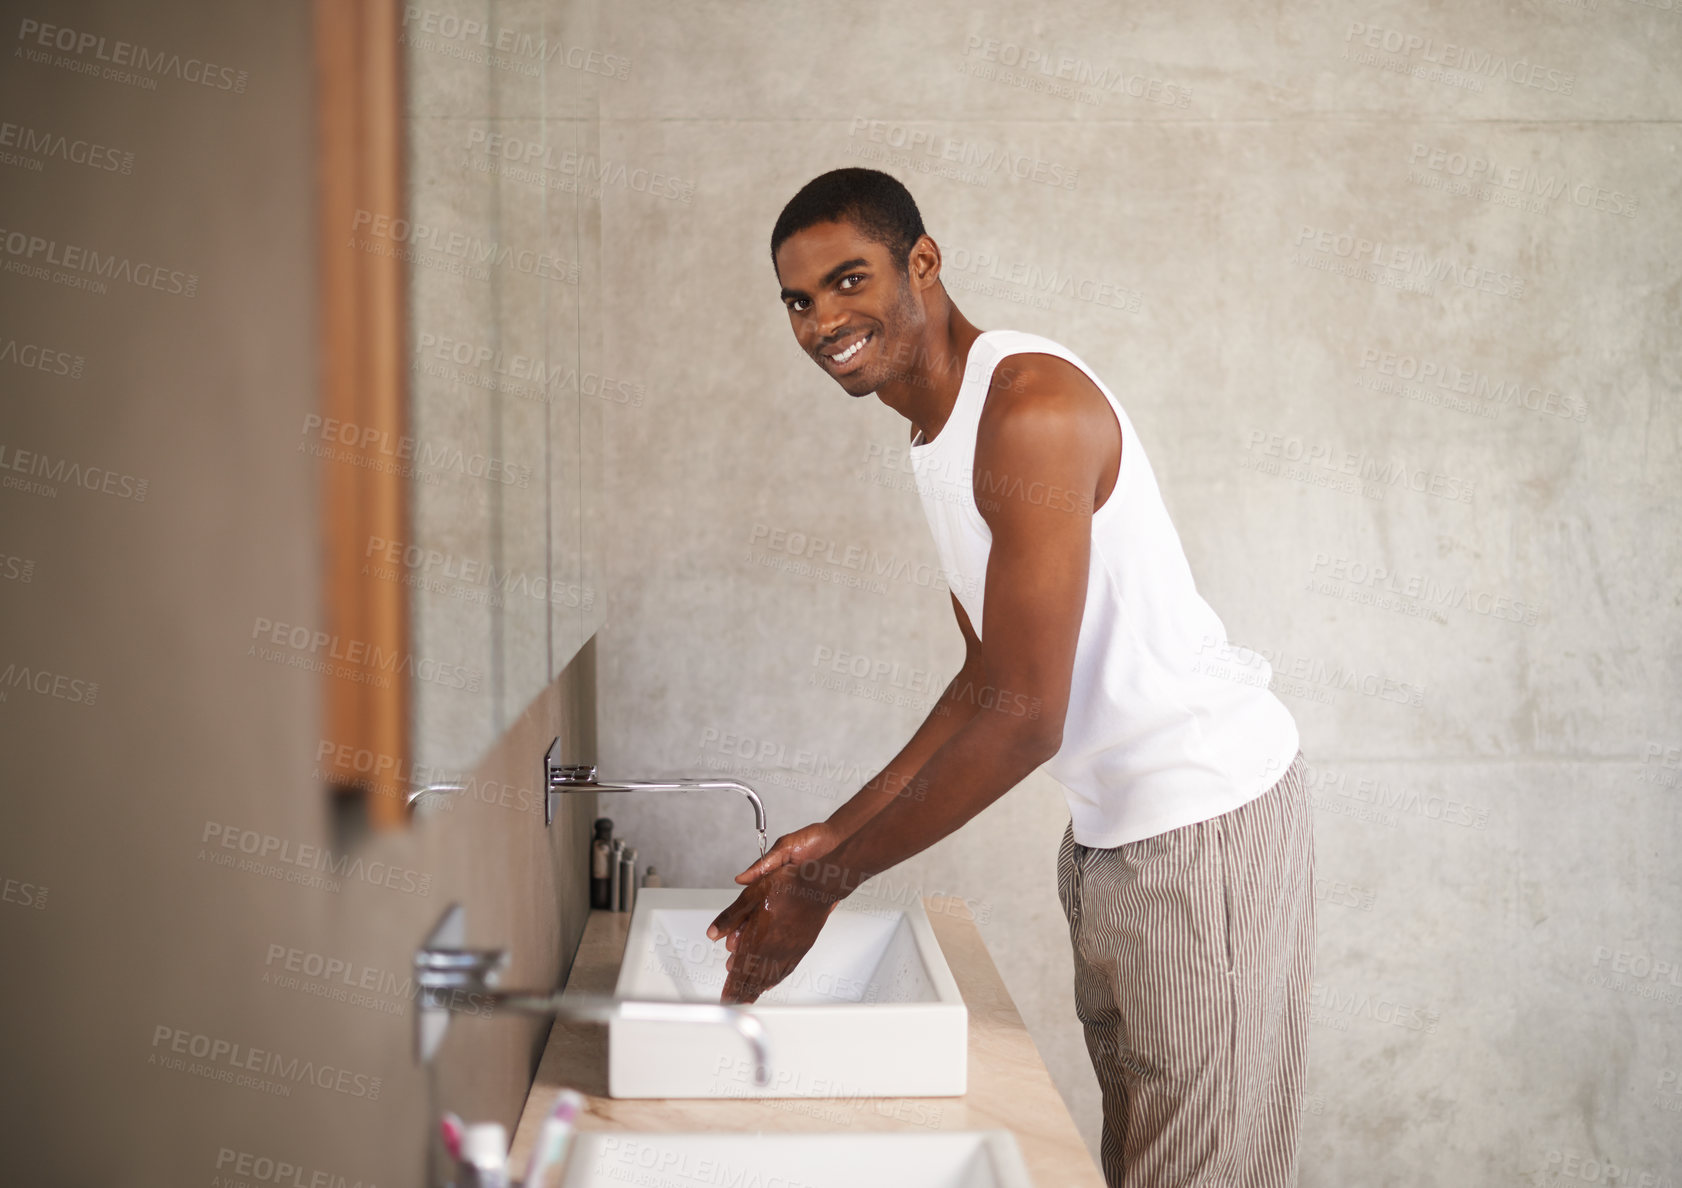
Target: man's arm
column 953, row 708
column 1039, row 453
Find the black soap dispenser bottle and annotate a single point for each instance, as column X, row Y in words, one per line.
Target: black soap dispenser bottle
column 604, row 873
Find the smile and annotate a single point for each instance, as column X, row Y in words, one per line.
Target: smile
column 842, row 358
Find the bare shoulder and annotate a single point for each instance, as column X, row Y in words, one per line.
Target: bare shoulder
column 1045, row 442
column 1042, row 396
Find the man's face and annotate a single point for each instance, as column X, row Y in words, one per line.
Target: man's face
column 850, row 308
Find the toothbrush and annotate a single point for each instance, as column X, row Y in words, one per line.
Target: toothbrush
column 450, row 1127
column 553, row 1138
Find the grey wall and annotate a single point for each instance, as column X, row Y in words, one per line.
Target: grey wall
column 123, row 908
column 1492, row 724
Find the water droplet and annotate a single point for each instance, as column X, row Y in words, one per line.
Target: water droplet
column 764, row 843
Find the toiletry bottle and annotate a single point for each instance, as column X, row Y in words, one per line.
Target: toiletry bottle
column 628, row 879
column 603, row 876
column 484, row 1157
column 617, row 891
column 652, row 878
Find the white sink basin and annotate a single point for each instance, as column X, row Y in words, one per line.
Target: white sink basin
column 955, row 1159
column 872, row 1010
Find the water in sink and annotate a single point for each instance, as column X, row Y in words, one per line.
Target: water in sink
column 861, row 956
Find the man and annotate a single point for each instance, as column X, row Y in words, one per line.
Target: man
column 1186, row 872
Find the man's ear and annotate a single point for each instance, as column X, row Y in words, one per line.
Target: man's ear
column 923, row 262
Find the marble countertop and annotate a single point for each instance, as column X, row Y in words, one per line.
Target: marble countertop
column 1009, row 1086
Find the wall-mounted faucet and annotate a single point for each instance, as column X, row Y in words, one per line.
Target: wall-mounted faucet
column 450, row 978
column 417, row 803
column 560, row 778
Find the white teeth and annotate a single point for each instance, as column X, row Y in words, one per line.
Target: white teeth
column 850, row 351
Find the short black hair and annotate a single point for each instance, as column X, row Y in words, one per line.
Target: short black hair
column 874, row 202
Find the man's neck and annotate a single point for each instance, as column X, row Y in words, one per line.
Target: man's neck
column 926, row 396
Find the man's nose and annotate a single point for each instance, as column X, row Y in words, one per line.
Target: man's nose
column 830, row 321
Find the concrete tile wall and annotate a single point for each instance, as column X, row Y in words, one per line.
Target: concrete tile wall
column 1478, row 637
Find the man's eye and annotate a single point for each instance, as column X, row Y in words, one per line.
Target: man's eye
column 797, row 305
column 854, row 277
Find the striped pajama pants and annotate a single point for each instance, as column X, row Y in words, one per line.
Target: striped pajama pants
column 1194, row 953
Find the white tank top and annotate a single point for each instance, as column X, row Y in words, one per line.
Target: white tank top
column 1168, row 724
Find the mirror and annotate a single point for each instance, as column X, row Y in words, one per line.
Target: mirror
column 503, row 195
column 463, row 406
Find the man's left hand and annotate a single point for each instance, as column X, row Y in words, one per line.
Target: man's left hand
column 770, row 927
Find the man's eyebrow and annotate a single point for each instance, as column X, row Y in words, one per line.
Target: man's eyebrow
column 832, row 275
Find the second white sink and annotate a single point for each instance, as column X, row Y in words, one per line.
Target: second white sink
column 871, row 1011
column 955, row 1159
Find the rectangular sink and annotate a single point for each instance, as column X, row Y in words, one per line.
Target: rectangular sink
column 871, row 1011
column 955, row 1159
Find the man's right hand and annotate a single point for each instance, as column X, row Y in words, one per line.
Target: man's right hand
column 792, row 849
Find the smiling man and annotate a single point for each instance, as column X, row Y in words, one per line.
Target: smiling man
column 1186, row 871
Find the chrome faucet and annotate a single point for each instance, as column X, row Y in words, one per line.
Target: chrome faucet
column 415, row 800
column 560, row 778
column 450, row 979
